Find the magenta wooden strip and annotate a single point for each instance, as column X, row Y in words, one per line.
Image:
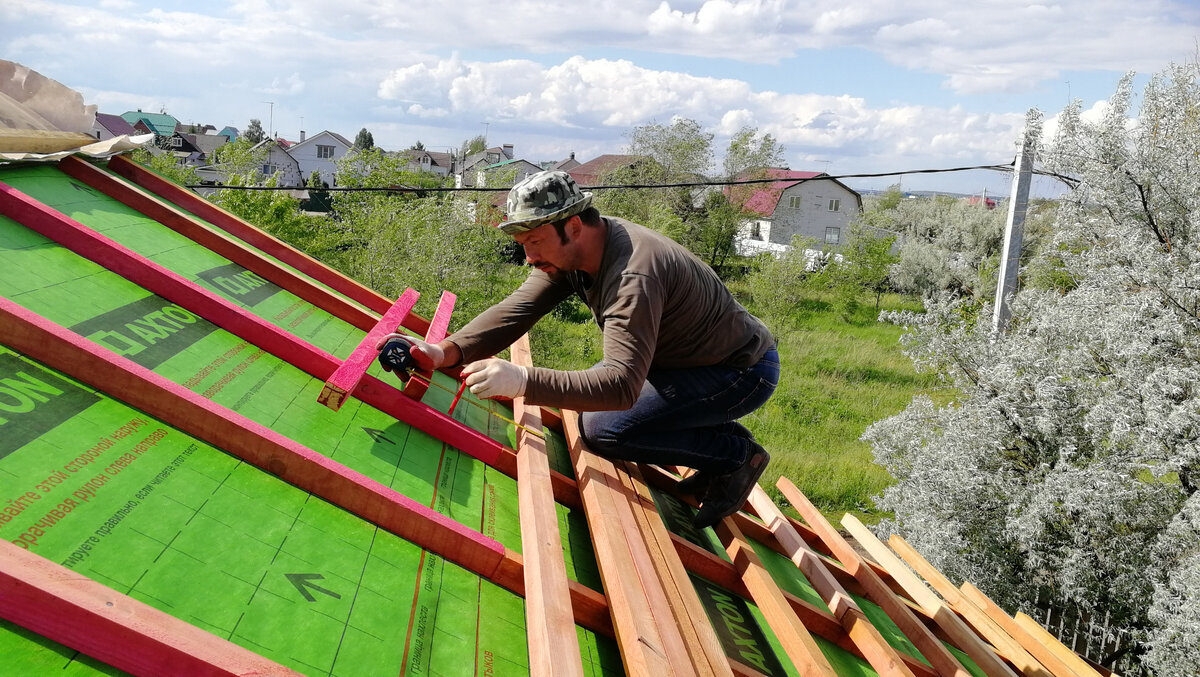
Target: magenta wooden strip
column 346, row 377
column 439, row 326
column 66, row 351
column 317, row 363
column 116, row 629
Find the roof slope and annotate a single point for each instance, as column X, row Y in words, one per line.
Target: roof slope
column 165, row 454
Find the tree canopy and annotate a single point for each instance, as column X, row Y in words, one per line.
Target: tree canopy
column 1066, row 465
column 254, row 132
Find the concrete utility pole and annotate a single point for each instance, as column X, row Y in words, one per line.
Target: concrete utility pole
column 1014, row 230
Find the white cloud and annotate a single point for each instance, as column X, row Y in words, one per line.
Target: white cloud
column 289, row 86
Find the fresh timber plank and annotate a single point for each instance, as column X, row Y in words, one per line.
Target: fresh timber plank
column 874, row 587
column 960, row 635
column 886, row 661
column 171, row 286
column 690, row 617
column 91, row 618
column 257, row 238
column 1039, row 650
column 65, row 351
column 188, row 226
column 41, row 140
column 1060, row 650
column 643, row 651
column 439, row 326
column 797, row 642
column 1005, row 645
column 549, row 624
column 347, row 376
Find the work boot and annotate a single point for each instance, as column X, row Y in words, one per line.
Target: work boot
column 696, row 484
column 729, row 491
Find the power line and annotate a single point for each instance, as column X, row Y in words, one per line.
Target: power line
column 634, row 186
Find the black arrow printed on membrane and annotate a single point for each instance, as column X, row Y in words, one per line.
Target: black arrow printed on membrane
column 303, row 582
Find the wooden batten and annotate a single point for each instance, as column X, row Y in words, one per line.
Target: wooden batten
column 549, row 624
column 91, row 618
column 1005, row 645
column 1040, row 650
column 41, row 140
column 347, row 376
column 960, row 635
column 1035, row 630
column 439, row 327
column 886, row 661
column 874, row 587
column 797, row 642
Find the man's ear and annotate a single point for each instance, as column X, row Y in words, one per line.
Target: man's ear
column 575, row 226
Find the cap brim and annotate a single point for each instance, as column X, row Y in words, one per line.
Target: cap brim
column 521, row 225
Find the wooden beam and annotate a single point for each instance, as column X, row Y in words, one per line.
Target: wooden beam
column 549, row 624
column 797, row 642
column 960, row 635
column 217, row 241
column 1039, row 649
column 644, row 651
column 874, row 587
column 690, row 617
column 439, row 326
column 1005, row 645
column 116, row 629
column 259, row 239
column 41, row 140
column 347, row 376
column 886, row 661
column 1039, row 634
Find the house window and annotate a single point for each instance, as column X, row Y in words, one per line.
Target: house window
column 426, row 161
column 756, row 231
column 268, row 169
column 794, row 202
column 324, row 152
column 176, row 142
column 835, row 205
column 832, row 235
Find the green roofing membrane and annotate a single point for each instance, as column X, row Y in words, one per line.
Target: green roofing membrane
column 188, row 529
column 128, row 501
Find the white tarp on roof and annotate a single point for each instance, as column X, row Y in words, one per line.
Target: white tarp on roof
column 32, row 101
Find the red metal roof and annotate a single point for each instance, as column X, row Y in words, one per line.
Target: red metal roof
column 765, row 196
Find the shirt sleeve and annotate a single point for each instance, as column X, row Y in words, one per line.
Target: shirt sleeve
column 501, row 325
column 630, row 323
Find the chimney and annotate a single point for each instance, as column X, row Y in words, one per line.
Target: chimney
column 302, row 135
column 508, row 150
column 572, row 155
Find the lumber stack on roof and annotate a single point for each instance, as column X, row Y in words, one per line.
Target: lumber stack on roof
column 163, row 451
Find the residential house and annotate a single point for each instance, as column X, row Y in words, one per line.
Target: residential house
column 161, row 125
column 433, row 162
column 107, row 126
column 804, row 204
column 592, row 172
column 505, row 173
column 230, row 133
column 279, row 160
column 562, row 165
column 318, row 153
column 466, row 174
column 184, row 148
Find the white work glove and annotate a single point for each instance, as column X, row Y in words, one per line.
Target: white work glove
column 496, row 378
column 427, row 355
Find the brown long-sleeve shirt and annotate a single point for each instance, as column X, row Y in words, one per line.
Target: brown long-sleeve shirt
column 657, row 305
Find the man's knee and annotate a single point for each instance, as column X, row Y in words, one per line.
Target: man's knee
column 599, row 434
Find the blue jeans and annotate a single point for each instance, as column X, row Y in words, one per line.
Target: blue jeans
column 686, row 417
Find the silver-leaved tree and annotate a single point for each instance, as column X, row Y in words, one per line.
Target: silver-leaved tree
column 1067, row 464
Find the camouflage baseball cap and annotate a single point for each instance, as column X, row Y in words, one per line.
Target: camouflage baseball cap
column 543, row 198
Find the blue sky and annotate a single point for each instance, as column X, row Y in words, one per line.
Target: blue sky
column 846, row 86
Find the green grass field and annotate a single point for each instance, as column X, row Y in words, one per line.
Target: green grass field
column 839, row 376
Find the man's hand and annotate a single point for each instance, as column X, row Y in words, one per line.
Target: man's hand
column 426, row 355
column 494, row 377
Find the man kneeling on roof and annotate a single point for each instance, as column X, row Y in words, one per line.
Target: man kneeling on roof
column 682, row 360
